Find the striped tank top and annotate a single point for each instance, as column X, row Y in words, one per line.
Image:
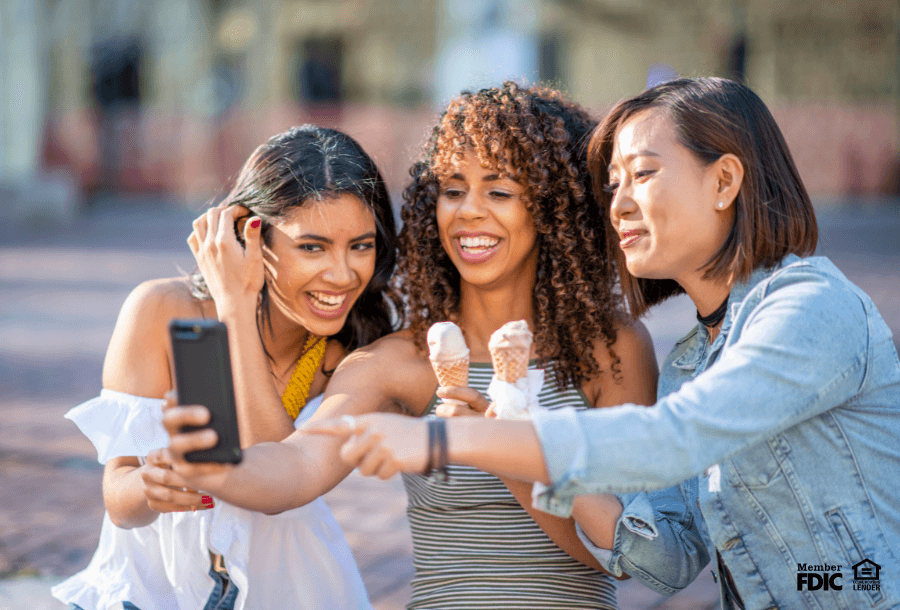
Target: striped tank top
column 474, row 546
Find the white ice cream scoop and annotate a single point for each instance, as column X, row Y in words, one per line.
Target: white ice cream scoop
column 446, row 343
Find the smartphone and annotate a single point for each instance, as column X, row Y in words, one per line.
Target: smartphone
column 203, row 377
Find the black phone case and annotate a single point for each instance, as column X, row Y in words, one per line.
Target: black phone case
column 203, row 377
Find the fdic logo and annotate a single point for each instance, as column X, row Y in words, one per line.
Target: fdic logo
column 826, row 577
column 813, row 577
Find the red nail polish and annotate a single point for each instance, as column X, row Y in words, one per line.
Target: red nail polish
column 210, row 505
column 254, row 224
column 206, row 500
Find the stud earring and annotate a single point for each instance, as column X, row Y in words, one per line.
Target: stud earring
column 721, row 205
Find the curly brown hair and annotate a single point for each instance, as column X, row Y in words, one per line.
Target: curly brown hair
column 537, row 137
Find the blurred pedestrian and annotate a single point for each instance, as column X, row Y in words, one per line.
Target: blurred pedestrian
column 778, row 416
column 308, row 231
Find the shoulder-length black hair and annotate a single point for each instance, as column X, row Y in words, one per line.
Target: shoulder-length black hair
column 773, row 215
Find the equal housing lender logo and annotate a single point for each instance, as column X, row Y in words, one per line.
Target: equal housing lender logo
column 865, row 576
column 828, row 577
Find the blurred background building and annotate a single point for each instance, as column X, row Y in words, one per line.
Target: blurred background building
column 166, row 98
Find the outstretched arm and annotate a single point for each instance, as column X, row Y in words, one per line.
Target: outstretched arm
column 707, row 419
column 274, row 477
column 383, row 444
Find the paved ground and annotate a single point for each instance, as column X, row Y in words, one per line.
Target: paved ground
column 60, row 291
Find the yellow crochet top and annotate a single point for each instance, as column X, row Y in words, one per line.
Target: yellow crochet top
column 297, row 390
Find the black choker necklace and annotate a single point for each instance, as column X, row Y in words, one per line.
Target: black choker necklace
column 713, row 319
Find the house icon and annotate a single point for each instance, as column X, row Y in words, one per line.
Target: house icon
column 866, row 570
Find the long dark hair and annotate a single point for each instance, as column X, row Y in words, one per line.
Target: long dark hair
column 538, row 138
column 307, row 164
column 773, row 216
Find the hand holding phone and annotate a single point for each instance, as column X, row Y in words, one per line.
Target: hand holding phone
column 203, row 377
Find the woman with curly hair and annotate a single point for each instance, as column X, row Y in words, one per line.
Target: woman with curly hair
column 499, row 225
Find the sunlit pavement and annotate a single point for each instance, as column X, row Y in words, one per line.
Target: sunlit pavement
column 60, row 292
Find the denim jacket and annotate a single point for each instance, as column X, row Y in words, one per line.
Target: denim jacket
column 779, row 443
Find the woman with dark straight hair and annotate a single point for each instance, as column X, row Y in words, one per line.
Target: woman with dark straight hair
column 772, row 212
column 309, row 230
column 778, row 415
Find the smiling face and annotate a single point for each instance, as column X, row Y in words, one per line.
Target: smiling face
column 485, row 226
column 665, row 203
column 319, row 260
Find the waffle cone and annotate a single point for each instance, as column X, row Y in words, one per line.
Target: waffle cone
column 453, row 372
column 510, row 364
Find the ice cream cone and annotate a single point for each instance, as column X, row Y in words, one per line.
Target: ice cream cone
column 452, row 373
column 510, row 364
column 510, row 348
column 448, row 354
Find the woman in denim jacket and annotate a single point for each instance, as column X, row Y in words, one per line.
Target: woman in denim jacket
column 777, row 426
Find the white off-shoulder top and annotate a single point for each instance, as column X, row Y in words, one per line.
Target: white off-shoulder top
column 297, row 559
